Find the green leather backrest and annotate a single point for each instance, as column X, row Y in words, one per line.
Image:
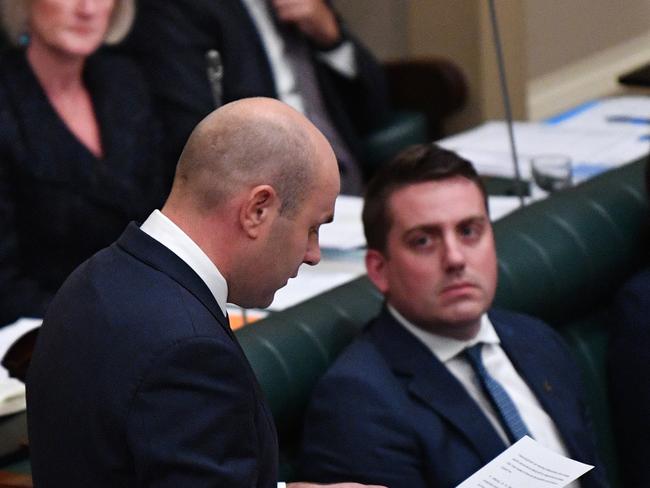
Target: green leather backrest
column 563, row 258
column 290, row 350
column 559, row 259
column 403, row 129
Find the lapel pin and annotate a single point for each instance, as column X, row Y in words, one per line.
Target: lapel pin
column 547, row 386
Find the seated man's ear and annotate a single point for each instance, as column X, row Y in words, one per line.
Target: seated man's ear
column 258, row 211
column 376, row 268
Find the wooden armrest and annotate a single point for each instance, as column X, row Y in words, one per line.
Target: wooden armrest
column 434, row 86
column 15, row 480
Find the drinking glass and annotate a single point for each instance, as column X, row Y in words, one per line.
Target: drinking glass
column 550, row 172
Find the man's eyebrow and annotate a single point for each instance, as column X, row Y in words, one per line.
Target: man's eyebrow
column 474, row 218
column 423, row 228
column 329, row 219
column 434, row 227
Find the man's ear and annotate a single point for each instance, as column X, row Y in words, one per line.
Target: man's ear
column 376, row 268
column 259, row 209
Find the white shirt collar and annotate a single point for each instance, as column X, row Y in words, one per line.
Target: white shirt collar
column 446, row 348
column 172, row 237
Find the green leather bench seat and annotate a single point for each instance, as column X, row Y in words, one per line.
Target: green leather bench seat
column 560, row 259
column 290, row 350
column 404, row 129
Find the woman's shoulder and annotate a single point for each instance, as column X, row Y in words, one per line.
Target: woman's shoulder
column 13, row 65
column 12, row 57
column 12, row 83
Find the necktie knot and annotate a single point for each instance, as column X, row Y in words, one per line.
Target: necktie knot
column 473, row 354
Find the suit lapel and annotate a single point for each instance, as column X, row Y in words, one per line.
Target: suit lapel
column 431, row 383
column 146, row 249
column 539, row 374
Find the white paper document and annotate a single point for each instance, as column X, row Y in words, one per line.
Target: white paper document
column 346, row 231
column 12, row 391
column 628, row 113
column 591, row 150
column 314, row 280
column 527, row 464
column 501, row 205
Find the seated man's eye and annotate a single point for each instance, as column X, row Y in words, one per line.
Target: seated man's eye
column 421, row 241
column 471, row 231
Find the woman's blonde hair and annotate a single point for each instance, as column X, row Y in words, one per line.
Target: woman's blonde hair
column 14, row 16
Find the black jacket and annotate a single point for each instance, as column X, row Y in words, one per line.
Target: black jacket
column 59, row 204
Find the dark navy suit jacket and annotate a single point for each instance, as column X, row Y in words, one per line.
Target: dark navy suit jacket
column 389, row 412
column 137, row 380
column 629, row 369
column 170, row 39
column 59, row 203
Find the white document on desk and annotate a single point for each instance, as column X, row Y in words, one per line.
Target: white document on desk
column 591, row 150
column 527, row 464
column 346, row 231
column 12, row 391
column 501, row 205
column 314, row 280
column 602, row 115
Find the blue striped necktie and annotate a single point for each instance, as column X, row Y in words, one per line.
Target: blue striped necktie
column 514, row 424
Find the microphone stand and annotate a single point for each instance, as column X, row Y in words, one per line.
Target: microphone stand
column 506, row 102
column 214, row 68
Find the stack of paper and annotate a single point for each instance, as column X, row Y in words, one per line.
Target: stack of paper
column 591, row 150
column 12, row 391
column 527, row 464
column 346, row 231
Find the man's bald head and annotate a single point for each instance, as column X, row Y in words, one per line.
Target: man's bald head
column 247, row 143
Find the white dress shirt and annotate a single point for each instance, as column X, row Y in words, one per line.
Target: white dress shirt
column 173, row 238
column 341, row 59
column 449, row 352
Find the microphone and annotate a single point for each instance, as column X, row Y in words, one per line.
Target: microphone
column 214, row 69
column 506, row 102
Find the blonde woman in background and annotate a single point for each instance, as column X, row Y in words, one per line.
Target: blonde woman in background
column 78, row 144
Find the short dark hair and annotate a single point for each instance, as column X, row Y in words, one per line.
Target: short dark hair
column 417, row 164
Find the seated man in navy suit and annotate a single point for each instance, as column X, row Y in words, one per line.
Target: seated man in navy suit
column 297, row 51
column 409, row 404
column 137, row 379
column 629, row 374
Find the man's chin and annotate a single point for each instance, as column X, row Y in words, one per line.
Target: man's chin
column 260, row 302
column 464, row 312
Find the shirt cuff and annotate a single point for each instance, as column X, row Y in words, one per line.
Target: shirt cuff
column 341, row 59
column 282, row 484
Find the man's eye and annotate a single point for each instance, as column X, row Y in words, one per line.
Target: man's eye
column 470, row 231
column 420, row 241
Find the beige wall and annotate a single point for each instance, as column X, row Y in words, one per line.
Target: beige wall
column 436, row 29
column 559, row 32
column 558, row 52
column 456, row 29
column 462, row 31
column 381, row 25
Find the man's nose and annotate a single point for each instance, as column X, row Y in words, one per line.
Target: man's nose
column 312, row 256
column 454, row 255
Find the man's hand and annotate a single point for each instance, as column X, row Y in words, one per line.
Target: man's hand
column 314, row 18
column 337, row 485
